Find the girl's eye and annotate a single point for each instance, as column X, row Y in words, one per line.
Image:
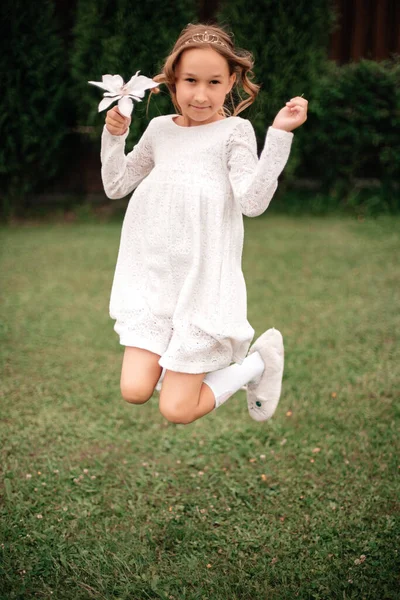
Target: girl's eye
column 190, row 79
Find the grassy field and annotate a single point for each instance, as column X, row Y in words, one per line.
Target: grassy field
column 101, row 499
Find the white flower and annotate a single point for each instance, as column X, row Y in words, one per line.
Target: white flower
column 116, row 89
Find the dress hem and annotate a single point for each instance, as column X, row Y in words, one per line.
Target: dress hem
column 194, row 370
column 141, row 343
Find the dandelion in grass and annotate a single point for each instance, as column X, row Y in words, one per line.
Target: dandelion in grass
column 124, row 93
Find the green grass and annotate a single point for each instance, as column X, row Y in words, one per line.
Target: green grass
column 101, row 499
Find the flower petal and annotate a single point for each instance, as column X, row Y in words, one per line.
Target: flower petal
column 138, row 84
column 106, row 102
column 99, row 84
column 125, row 106
column 114, row 83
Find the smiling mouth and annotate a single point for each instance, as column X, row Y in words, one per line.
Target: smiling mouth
column 200, row 107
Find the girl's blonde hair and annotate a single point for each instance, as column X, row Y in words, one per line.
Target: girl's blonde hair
column 239, row 62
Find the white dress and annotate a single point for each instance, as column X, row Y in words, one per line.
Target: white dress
column 178, row 288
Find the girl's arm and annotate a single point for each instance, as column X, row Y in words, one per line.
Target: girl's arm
column 254, row 180
column 121, row 173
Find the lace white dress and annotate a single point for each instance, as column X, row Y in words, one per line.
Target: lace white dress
column 178, row 288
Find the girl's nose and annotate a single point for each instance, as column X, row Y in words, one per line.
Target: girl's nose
column 200, row 97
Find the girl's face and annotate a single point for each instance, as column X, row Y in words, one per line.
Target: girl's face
column 202, row 81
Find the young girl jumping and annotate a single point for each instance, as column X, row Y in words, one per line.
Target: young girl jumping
column 179, row 294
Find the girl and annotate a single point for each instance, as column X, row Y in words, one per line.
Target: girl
column 179, row 295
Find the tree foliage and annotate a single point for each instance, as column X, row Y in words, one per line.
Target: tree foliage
column 124, row 37
column 354, row 127
column 289, row 41
column 33, row 102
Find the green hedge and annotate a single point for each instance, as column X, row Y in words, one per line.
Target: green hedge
column 33, row 102
column 289, row 40
column 353, row 131
column 121, row 36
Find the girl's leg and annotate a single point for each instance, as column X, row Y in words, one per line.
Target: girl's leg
column 186, row 397
column 139, row 375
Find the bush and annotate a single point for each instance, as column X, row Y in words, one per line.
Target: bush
column 289, row 41
column 33, row 100
column 353, row 132
column 123, row 37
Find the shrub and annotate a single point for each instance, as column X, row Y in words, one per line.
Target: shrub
column 122, row 37
column 33, row 100
column 289, row 41
column 353, row 131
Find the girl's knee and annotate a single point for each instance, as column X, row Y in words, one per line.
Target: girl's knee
column 176, row 417
column 179, row 396
column 175, row 413
column 139, row 375
column 135, row 394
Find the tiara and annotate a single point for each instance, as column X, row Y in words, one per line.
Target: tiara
column 209, row 38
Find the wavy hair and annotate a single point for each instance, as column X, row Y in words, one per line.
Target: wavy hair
column 239, row 62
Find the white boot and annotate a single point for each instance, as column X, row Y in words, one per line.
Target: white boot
column 263, row 396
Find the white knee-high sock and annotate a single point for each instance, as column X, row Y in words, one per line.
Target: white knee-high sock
column 225, row 382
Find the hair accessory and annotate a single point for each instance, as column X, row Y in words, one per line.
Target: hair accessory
column 206, row 38
column 116, row 89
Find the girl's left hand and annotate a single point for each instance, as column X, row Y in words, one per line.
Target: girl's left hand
column 292, row 115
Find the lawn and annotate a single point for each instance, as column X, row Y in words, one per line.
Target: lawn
column 101, row 499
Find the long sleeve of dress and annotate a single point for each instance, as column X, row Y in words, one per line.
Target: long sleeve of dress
column 121, row 173
column 254, row 181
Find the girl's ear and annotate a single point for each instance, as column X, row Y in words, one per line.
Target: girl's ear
column 232, row 80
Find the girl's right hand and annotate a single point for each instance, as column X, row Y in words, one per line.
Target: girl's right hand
column 116, row 123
